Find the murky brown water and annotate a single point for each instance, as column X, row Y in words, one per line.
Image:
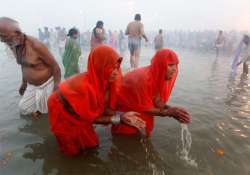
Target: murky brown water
column 220, row 129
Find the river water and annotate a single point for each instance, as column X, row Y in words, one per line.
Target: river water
column 219, row 104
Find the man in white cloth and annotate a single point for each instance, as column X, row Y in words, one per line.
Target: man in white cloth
column 40, row 72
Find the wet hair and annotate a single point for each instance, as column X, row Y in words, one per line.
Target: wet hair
column 137, row 17
column 72, row 32
column 99, row 24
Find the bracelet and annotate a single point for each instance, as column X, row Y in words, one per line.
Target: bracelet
column 116, row 119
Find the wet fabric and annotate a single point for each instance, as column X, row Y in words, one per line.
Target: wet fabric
column 71, row 58
column 134, row 44
column 35, row 98
column 85, row 94
column 140, row 87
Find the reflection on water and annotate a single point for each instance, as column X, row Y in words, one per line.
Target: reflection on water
column 220, row 130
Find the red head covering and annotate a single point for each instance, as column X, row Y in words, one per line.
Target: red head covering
column 85, row 92
column 141, row 86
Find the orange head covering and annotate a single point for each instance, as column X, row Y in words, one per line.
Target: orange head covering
column 85, row 92
column 158, row 70
column 141, row 86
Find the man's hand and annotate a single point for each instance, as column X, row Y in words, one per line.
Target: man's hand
column 179, row 114
column 131, row 118
column 22, row 88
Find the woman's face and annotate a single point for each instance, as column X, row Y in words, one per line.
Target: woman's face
column 171, row 70
column 75, row 35
column 115, row 72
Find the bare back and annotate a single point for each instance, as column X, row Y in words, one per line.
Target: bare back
column 135, row 29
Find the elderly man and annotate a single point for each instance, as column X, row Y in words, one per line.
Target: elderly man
column 40, row 72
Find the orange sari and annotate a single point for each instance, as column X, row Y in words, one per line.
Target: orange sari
column 140, row 87
column 84, row 94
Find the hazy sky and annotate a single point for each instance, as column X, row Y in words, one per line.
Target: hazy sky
column 166, row 14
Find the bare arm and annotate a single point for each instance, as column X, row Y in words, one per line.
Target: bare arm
column 143, row 33
column 103, row 120
column 126, row 32
column 155, row 112
column 23, row 86
column 129, row 118
column 145, row 37
column 49, row 60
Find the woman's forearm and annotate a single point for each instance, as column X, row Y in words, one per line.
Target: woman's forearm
column 103, row 120
column 154, row 112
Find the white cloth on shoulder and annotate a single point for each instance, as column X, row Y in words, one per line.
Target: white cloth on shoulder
column 35, row 98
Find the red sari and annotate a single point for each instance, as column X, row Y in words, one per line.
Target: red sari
column 85, row 94
column 140, row 87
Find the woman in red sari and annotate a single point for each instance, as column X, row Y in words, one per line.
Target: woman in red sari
column 85, row 99
column 146, row 90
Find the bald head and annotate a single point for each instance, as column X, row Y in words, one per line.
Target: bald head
column 10, row 32
column 8, row 24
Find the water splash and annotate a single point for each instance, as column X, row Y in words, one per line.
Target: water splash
column 186, row 140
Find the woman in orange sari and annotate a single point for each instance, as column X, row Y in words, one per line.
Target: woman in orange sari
column 85, row 99
column 146, row 90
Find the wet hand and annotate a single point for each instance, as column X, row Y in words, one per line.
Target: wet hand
column 179, row 114
column 131, row 118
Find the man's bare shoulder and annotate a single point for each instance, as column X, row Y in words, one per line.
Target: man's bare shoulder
column 35, row 43
column 140, row 23
column 131, row 23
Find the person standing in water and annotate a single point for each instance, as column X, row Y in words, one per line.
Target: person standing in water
column 98, row 35
column 147, row 90
column 135, row 31
column 122, row 44
column 46, row 38
column 40, row 72
column 219, row 43
column 246, row 56
column 71, row 54
column 158, row 41
column 40, row 35
column 62, row 37
column 86, row 99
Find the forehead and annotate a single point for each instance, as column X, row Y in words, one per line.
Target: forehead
column 6, row 30
column 171, row 65
column 7, row 26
